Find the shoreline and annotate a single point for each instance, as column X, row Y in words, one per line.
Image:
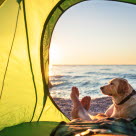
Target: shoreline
column 98, row 105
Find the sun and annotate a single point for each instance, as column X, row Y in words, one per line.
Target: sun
column 55, row 54
column 55, row 57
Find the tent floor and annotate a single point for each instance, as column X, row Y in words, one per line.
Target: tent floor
column 30, row 129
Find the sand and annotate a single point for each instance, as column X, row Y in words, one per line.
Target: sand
column 98, row 105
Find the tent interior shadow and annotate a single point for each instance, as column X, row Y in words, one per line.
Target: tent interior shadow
column 30, row 129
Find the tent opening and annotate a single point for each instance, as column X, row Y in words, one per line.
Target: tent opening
column 89, row 48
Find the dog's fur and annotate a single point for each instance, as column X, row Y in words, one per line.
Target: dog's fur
column 118, row 89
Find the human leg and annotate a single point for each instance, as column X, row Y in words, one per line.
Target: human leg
column 78, row 110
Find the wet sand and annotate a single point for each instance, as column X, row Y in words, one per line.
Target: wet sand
column 98, row 105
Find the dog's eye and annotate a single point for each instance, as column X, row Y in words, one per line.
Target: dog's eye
column 111, row 84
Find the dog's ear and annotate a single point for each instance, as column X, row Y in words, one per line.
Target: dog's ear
column 123, row 86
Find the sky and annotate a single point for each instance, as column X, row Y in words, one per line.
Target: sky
column 95, row 32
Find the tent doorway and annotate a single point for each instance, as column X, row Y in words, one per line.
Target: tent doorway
column 90, row 48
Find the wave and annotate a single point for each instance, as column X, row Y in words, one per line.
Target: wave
column 90, row 72
column 129, row 76
column 79, row 76
column 54, row 84
column 65, row 76
column 85, row 83
column 106, row 69
column 102, row 73
column 59, row 76
column 61, row 84
column 108, row 76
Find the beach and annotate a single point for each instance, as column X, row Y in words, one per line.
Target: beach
column 98, row 105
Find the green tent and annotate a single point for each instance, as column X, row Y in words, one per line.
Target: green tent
column 26, row 26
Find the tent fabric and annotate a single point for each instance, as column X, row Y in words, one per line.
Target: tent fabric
column 41, row 128
column 26, row 29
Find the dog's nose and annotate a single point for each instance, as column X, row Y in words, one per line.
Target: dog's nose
column 102, row 87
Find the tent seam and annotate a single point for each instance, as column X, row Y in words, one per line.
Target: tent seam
column 41, row 52
column 61, row 9
column 30, row 60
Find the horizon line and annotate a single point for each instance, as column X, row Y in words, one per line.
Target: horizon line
column 92, row 64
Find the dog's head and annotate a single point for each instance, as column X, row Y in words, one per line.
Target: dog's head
column 116, row 87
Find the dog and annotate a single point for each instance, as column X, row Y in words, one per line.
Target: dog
column 123, row 97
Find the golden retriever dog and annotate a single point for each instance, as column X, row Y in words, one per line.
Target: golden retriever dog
column 123, row 97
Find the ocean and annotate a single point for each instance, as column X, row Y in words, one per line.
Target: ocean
column 88, row 78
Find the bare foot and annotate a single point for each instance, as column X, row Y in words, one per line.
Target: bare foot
column 78, row 110
column 74, row 92
column 75, row 99
column 86, row 102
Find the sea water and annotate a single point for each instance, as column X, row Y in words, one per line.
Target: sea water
column 88, row 78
